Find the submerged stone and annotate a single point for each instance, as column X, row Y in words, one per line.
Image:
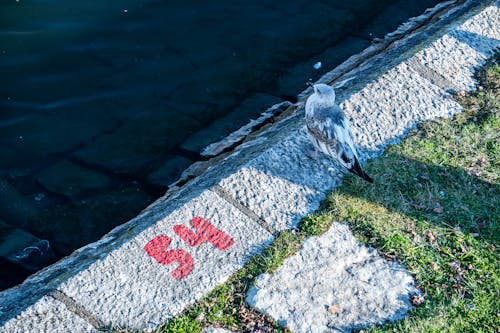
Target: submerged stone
column 71, row 180
column 170, row 171
column 250, row 108
column 15, row 207
column 74, row 224
column 24, row 249
column 138, row 144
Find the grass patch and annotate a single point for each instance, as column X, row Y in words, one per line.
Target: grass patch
column 433, row 207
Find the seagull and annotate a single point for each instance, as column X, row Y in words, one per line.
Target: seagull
column 329, row 130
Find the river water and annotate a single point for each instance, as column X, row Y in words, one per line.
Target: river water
column 104, row 103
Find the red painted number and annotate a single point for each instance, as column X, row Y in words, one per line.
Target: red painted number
column 204, row 232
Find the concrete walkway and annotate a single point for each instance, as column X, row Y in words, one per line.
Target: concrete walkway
column 149, row 269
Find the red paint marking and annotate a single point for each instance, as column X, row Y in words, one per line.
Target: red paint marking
column 157, row 248
column 205, row 232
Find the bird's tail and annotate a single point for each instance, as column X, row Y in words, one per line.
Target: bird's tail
column 356, row 169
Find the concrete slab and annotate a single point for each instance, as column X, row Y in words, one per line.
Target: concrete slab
column 383, row 111
column 170, row 265
column 282, row 184
column 455, row 55
column 333, row 284
column 46, row 315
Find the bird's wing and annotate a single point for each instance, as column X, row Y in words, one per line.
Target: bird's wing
column 322, row 130
column 327, row 126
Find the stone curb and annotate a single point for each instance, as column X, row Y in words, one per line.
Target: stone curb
column 179, row 248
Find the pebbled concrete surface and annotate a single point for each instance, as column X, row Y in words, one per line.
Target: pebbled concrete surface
column 333, row 284
column 130, row 288
column 383, row 111
column 282, row 184
column 455, row 55
column 47, row 315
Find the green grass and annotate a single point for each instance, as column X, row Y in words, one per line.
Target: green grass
column 433, row 207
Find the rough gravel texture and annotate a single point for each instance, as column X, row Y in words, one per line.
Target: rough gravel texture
column 47, row 315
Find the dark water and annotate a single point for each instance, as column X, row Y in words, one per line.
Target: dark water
column 104, row 103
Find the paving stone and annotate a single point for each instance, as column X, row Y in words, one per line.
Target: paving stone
column 455, row 55
column 46, row 315
column 333, row 284
column 132, row 289
column 486, row 23
column 383, row 111
column 70, row 179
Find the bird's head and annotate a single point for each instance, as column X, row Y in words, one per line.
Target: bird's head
column 324, row 91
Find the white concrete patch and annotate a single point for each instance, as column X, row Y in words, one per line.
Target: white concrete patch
column 333, row 284
column 455, row 55
column 46, row 315
column 283, row 184
column 130, row 288
column 385, row 110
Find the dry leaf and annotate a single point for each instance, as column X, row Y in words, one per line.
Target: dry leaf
column 438, row 209
column 416, row 300
column 434, row 266
column 455, row 265
column 418, row 205
column 431, row 238
column 416, row 237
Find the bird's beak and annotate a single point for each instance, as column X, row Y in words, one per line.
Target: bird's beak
column 312, row 86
